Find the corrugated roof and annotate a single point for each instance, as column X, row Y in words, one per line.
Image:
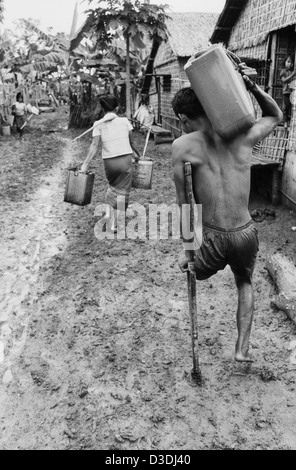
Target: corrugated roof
column 190, row 31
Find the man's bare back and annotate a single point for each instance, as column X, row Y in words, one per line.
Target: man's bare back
column 221, row 177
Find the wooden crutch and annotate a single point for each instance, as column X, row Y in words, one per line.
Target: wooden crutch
column 191, row 278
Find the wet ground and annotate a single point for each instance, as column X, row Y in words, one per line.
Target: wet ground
column 95, row 346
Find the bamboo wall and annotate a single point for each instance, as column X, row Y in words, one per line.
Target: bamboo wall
column 167, row 63
column 249, row 35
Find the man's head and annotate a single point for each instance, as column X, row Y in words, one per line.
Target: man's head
column 19, row 97
column 187, row 106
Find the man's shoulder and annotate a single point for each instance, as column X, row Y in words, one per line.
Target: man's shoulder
column 187, row 140
column 178, row 145
column 188, row 146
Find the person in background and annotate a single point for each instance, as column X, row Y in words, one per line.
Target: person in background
column 287, row 75
column 144, row 115
column 221, row 184
column 19, row 110
column 116, row 136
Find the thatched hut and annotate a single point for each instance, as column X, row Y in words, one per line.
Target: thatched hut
column 164, row 75
column 262, row 33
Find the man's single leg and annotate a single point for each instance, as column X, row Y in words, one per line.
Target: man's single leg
column 245, row 311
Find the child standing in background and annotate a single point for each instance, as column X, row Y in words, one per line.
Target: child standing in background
column 287, row 75
column 19, row 110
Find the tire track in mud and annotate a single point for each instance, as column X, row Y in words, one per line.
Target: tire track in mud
column 29, row 237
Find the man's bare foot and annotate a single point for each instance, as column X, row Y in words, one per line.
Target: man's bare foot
column 240, row 357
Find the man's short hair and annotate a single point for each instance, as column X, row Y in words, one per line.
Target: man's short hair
column 186, row 102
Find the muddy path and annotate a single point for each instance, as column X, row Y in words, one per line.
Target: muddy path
column 95, row 348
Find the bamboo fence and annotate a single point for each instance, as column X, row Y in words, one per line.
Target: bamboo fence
column 274, row 146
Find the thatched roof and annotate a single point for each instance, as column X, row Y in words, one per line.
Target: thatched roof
column 245, row 25
column 227, row 20
column 187, row 32
column 190, row 31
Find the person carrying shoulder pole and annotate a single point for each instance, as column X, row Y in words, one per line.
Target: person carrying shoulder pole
column 116, row 135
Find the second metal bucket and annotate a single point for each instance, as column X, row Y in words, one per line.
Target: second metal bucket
column 142, row 174
column 5, row 130
column 79, row 187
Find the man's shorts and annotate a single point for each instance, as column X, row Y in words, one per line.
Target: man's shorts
column 237, row 247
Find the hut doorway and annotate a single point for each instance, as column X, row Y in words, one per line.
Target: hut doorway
column 285, row 44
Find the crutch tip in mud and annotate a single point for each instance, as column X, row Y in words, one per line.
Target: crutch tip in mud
column 221, row 185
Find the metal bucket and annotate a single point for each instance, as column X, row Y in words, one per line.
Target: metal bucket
column 5, row 130
column 10, row 119
column 79, row 187
column 142, row 174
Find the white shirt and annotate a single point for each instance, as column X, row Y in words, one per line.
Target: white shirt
column 20, row 108
column 114, row 133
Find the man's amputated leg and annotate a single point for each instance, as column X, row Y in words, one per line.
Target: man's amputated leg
column 245, row 311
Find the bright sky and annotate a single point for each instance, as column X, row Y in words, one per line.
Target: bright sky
column 58, row 14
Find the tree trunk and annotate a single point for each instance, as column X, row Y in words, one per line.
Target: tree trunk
column 283, row 272
column 128, row 79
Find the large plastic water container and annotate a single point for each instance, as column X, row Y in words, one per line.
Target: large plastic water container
column 221, row 91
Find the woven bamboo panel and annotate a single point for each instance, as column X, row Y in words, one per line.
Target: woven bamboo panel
column 274, row 146
column 257, row 20
column 258, row 52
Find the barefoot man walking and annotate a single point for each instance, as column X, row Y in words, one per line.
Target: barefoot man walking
column 221, row 184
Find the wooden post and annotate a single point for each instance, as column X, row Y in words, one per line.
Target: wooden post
column 276, row 182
